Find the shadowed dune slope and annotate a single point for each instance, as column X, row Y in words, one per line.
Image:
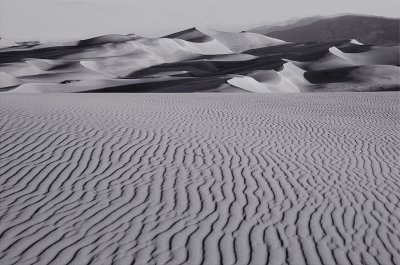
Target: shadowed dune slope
column 198, row 60
column 290, row 79
column 192, row 35
column 200, row 179
column 112, row 38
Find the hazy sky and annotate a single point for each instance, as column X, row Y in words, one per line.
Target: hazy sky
column 76, row 19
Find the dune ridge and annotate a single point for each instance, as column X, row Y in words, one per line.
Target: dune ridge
column 200, row 179
column 240, row 42
column 198, row 60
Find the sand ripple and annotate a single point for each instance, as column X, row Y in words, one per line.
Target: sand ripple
column 200, row 179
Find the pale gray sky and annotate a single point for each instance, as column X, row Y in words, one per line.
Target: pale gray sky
column 76, row 19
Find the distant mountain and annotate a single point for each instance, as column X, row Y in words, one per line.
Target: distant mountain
column 200, row 60
column 293, row 23
column 366, row 29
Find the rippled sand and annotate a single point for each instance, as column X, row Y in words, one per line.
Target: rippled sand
column 200, row 179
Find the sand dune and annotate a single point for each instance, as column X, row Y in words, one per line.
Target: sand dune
column 371, row 70
column 20, row 69
column 375, row 56
column 112, row 38
column 198, row 60
column 200, row 179
column 290, row 79
column 6, row 43
column 235, row 57
column 354, row 41
column 192, row 35
column 73, row 86
column 46, row 65
column 237, row 42
column 250, row 84
column 294, row 75
column 328, row 61
column 211, row 47
column 271, row 81
column 138, row 55
column 7, row 80
column 240, row 42
column 98, row 84
column 361, row 78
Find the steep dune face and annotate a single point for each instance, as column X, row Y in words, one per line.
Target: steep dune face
column 371, row 70
column 200, row 179
column 112, row 38
column 290, row 79
column 192, row 35
column 277, row 81
column 199, row 60
column 134, row 56
column 375, row 56
column 294, row 75
column 329, row 61
column 210, row 47
column 121, row 60
column 359, row 78
column 250, row 84
column 354, row 41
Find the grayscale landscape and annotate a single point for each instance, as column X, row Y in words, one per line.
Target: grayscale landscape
column 200, row 179
column 266, row 143
column 206, row 60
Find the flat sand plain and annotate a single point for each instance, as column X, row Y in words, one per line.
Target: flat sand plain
column 200, row 179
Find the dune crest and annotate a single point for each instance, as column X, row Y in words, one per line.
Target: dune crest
column 6, row 43
column 242, row 41
column 112, row 38
column 375, row 56
column 354, row 41
column 192, row 35
column 249, row 83
column 290, row 79
column 199, row 60
column 210, row 47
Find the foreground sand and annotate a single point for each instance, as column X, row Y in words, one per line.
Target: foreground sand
column 200, row 179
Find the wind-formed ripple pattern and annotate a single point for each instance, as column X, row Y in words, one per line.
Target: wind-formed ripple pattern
column 200, row 179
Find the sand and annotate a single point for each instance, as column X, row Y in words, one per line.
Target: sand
column 198, row 60
column 200, row 179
